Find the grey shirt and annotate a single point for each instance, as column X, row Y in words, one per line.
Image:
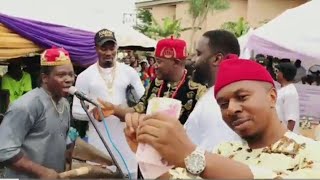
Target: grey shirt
column 33, row 127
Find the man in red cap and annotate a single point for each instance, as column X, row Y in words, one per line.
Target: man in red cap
column 171, row 81
column 213, row 48
column 33, row 133
column 247, row 97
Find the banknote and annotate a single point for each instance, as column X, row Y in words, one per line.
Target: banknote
column 148, row 158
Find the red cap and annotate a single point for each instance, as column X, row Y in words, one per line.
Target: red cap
column 171, row 49
column 234, row 70
column 55, row 57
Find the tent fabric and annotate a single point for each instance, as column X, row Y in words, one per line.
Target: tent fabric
column 88, row 15
column 13, row 45
column 243, row 40
column 294, row 34
column 79, row 43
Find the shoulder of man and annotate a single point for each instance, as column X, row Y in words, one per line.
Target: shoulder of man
column 128, row 69
column 201, row 89
column 25, row 73
column 87, row 71
column 23, row 103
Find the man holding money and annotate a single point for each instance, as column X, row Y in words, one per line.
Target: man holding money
column 171, row 82
column 247, row 97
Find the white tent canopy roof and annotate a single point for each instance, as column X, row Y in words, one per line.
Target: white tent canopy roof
column 295, row 34
column 82, row 14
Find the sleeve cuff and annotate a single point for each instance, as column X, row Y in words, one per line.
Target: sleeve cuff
column 12, row 159
column 262, row 173
column 181, row 173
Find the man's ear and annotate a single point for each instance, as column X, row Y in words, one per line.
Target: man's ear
column 217, row 59
column 273, row 96
column 44, row 78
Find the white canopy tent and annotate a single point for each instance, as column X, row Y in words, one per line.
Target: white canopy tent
column 295, row 34
column 82, row 14
column 243, row 40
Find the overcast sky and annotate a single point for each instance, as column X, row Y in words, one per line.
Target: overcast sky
column 68, row 10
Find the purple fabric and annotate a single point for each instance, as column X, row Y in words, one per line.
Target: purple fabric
column 262, row 46
column 79, row 43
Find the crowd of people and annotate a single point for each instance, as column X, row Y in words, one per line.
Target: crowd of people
column 234, row 121
column 144, row 67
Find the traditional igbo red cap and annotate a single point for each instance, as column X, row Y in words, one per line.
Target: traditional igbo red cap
column 55, row 57
column 171, row 49
column 234, row 70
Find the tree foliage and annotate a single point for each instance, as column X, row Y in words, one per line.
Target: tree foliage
column 238, row 28
column 199, row 9
column 144, row 17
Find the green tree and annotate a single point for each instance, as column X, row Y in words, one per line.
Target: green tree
column 144, row 17
column 238, row 28
column 199, row 10
column 168, row 27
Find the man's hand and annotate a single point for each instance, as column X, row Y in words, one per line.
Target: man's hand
column 49, row 174
column 132, row 123
column 107, row 110
column 167, row 136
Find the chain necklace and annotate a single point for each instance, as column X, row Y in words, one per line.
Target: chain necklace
column 53, row 103
column 55, row 106
column 109, row 83
column 178, row 87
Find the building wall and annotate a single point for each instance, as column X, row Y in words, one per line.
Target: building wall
column 161, row 11
column 262, row 10
column 254, row 11
column 237, row 9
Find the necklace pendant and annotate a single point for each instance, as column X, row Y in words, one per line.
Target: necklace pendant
column 110, row 91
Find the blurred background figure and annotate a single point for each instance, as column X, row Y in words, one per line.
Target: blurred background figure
column 151, row 68
column 288, row 99
column 134, row 63
column 16, row 81
column 145, row 78
column 126, row 60
column 301, row 71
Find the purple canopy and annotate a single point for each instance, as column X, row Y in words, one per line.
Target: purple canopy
column 79, row 43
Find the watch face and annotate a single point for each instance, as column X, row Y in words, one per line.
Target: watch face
column 196, row 163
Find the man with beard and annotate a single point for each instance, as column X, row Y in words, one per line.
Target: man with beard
column 33, row 133
column 213, row 47
column 172, row 81
column 108, row 80
column 247, row 97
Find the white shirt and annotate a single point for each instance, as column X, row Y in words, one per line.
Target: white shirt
column 205, row 126
column 93, row 85
column 288, row 105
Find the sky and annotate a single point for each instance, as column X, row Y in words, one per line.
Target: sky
column 67, row 11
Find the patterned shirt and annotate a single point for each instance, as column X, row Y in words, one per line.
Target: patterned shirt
column 189, row 93
column 293, row 156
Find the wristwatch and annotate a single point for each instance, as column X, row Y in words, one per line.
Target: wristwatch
column 196, row 162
